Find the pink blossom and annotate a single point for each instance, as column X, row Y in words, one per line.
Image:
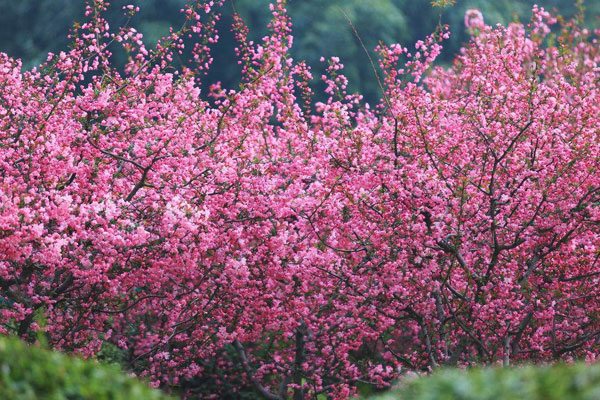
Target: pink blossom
column 474, row 19
column 240, row 234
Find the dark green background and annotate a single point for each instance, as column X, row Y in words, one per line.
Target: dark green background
column 31, row 28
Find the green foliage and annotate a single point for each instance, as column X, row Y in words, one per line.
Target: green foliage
column 558, row 382
column 325, row 30
column 29, row 373
column 31, row 28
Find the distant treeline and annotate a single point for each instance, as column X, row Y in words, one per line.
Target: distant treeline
column 29, row 29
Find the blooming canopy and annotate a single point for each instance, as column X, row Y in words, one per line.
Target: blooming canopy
column 221, row 240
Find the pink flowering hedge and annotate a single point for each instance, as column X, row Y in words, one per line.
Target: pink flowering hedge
column 251, row 239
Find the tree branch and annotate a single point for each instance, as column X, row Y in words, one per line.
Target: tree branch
column 259, row 387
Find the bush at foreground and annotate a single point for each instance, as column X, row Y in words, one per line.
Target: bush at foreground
column 558, row 382
column 28, row 372
column 31, row 373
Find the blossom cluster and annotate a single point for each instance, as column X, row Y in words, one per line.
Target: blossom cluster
column 226, row 239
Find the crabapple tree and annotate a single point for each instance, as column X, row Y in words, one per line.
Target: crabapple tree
column 250, row 239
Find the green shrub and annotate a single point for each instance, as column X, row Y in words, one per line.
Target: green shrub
column 558, row 382
column 28, row 372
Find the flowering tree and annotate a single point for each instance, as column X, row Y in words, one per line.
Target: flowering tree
column 227, row 239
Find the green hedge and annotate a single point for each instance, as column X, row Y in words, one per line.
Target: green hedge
column 558, row 382
column 29, row 372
